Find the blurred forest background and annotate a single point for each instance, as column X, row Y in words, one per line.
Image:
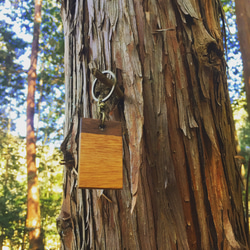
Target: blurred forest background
column 16, row 32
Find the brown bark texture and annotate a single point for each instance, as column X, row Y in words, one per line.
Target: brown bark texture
column 181, row 186
column 33, row 221
column 242, row 8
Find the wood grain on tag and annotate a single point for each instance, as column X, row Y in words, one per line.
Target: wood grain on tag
column 100, row 161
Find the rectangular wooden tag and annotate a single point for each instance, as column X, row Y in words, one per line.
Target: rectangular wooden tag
column 100, row 155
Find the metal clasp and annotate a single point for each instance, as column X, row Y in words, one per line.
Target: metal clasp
column 101, row 110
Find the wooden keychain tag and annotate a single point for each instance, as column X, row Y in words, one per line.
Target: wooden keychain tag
column 100, row 155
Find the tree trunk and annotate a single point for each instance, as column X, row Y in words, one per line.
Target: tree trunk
column 33, row 207
column 182, row 186
column 242, row 8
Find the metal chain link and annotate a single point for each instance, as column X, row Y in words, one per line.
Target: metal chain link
column 101, row 110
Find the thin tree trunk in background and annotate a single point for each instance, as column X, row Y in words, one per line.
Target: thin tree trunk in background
column 242, row 8
column 33, row 221
column 181, row 182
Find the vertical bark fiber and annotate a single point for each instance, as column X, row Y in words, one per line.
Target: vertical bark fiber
column 33, row 221
column 181, row 184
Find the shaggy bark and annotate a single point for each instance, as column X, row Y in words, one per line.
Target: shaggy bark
column 181, row 182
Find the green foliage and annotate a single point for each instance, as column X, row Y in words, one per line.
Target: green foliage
column 50, row 179
column 237, row 91
column 234, row 61
column 242, row 123
column 244, row 138
column 51, row 75
column 12, row 76
column 235, row 79
column 12, row 190
column 50, row 110
column 49, row 114
column 228, row 6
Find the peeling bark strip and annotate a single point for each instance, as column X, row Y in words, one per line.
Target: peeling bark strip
column 181, row 187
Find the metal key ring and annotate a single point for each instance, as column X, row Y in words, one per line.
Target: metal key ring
column 111, row 91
